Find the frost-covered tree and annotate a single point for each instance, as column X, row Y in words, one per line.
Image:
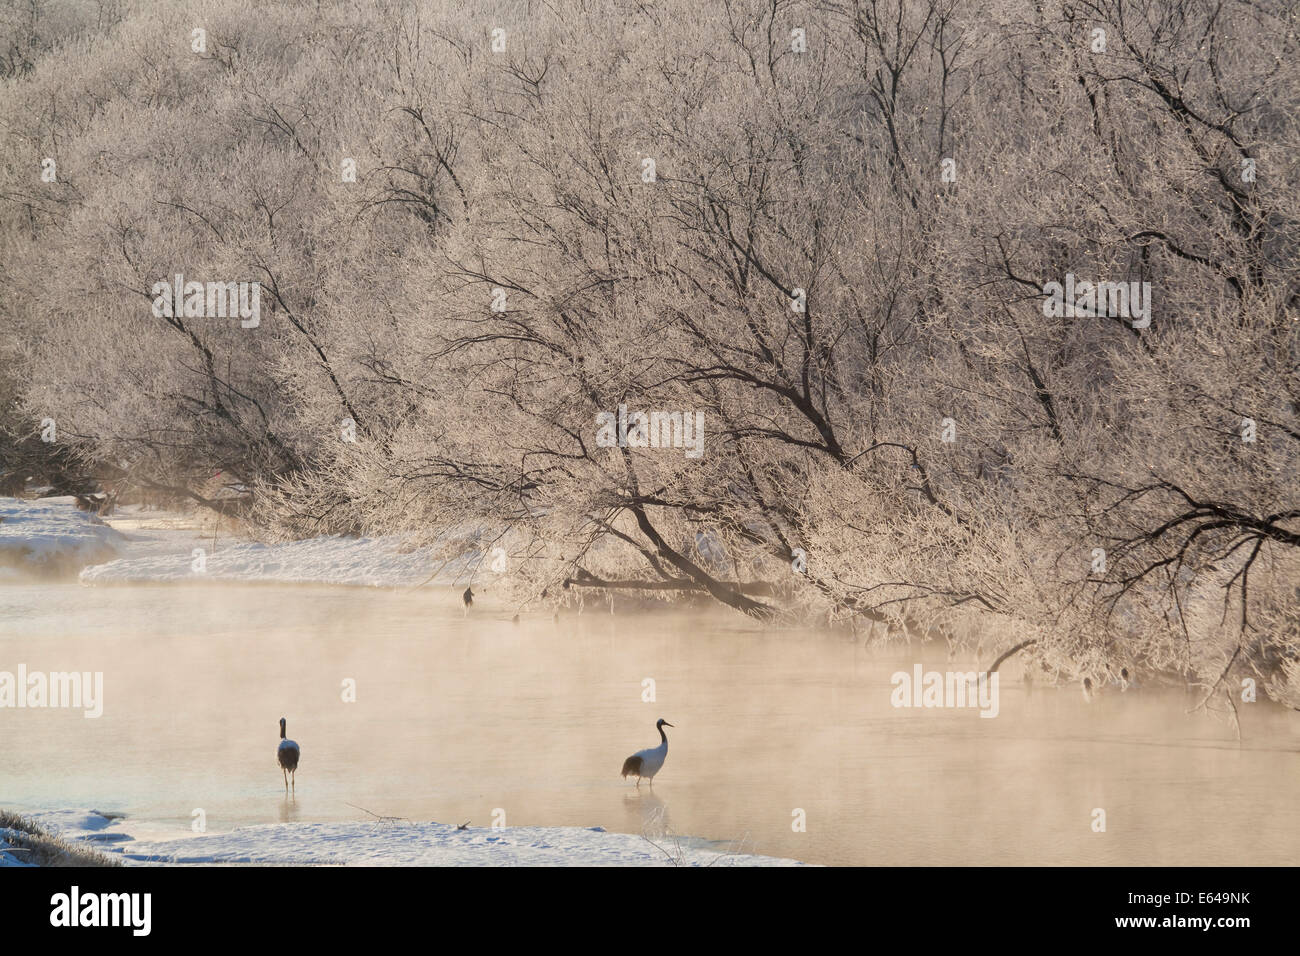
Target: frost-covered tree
column 837, row 234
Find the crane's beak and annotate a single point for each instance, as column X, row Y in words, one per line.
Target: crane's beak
column 666, row 724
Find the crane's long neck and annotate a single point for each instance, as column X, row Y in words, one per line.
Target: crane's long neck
column 663, row 736
column 282, row 730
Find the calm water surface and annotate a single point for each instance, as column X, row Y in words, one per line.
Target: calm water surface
column 456, row 717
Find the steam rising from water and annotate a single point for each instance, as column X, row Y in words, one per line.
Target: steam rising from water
column 458, row 716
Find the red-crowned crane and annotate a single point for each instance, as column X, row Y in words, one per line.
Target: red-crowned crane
column 288, row 754
column 644, row 764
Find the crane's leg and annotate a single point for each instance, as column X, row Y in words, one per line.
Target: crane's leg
column 286, row 777
column 638, row 781
column 293, row 778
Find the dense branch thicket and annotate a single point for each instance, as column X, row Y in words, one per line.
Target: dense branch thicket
column 827, row 230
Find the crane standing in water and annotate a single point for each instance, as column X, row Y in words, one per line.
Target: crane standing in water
column 646, row 763
column 288, row 754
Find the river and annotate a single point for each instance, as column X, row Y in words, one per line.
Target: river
column 467, row 717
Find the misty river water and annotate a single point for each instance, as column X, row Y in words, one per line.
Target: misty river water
column 459, row 717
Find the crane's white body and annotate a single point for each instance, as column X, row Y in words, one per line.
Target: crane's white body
column 652, row 760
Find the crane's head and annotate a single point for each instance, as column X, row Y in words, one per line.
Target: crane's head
column 663, row 723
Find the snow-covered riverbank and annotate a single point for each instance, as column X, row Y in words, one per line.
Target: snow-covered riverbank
column 388, row 843
column 372, row 562
column 50, row 537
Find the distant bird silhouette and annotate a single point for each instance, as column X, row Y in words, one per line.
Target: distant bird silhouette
column 288, row 754
column 1087, row 689
column 1126, row 681
column 468, row 597
column 644, row 764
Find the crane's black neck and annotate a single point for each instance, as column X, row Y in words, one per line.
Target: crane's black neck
column 282, row 728
column 662, row 736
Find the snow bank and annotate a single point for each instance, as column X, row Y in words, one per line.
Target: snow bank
column 397, row 843
column 163, row 555
column 377, row 562
column 49, row 536
column 11, row 859
column 368, row 562
column 76, row 825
